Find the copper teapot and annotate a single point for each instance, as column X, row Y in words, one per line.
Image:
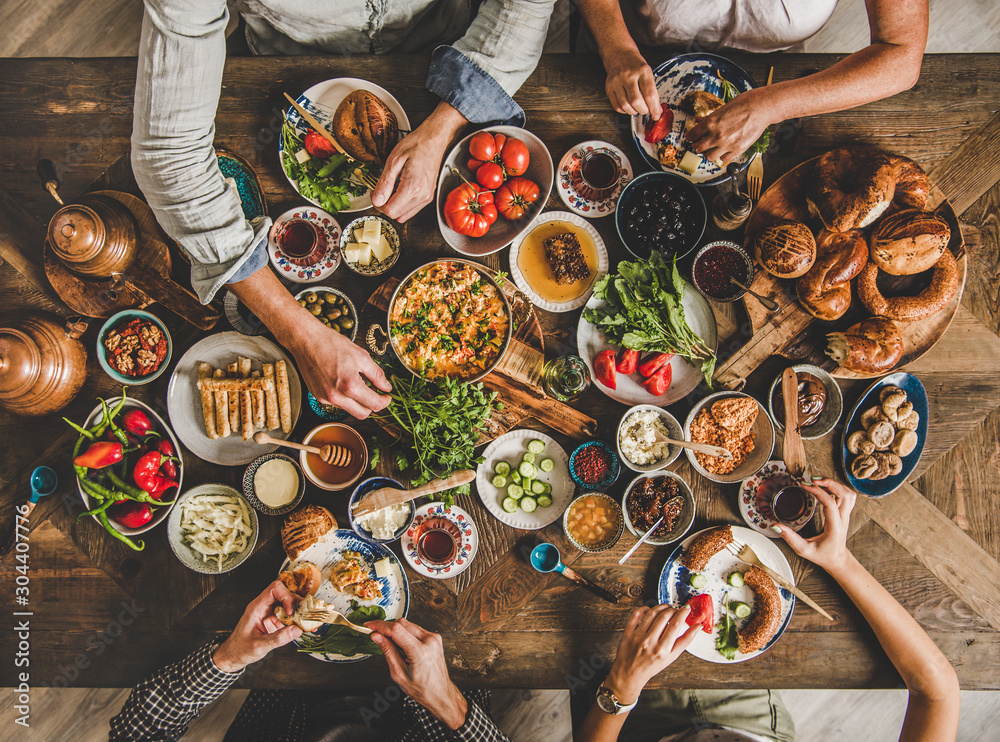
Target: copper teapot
column 94, row 237
column 43, row 364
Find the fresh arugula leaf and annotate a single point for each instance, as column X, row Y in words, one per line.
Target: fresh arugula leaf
column 728, row 641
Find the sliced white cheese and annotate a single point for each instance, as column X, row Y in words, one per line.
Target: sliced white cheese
column 302, row 156
column 364, row 254
column 690, row 162
column 352, row 252
column 381, row 248
column 373, row 230
column 383, row 567
column 359, row 234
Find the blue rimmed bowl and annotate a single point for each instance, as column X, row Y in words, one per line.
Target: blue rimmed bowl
column 366, row 486
column 250, row 485
column 615, row 467
column 127, row 316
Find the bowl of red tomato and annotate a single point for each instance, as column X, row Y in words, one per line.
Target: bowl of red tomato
column 493, row 185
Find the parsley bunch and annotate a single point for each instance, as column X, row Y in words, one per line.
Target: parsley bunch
column 439, row 425
column 642, row 311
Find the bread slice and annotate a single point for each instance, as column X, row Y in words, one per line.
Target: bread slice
column 303, row 579
column 304, row 527
column 365, row 127
column 701, row 103
column 310, row 603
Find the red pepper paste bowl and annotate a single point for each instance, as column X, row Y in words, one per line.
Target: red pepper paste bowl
column 594, row 466
column 715, row 264
column 105, row 355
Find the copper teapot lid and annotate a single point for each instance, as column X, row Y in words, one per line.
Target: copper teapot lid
column 76, row 233
column 20, row 363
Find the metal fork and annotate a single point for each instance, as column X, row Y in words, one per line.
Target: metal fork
column 335, row 618
column 755, row 176
column 745, row 554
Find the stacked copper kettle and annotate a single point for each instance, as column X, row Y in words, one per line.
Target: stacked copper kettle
column 43, row 364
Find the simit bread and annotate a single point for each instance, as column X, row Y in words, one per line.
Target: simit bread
column 763, row 624
column 706, row 546
column 943, row 286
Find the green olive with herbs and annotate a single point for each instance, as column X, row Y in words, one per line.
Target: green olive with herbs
column 311, row 297
column 332, row 314
column 303, row 303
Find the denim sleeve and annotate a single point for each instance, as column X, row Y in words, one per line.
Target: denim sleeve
column 480, row 72
column 181, row 55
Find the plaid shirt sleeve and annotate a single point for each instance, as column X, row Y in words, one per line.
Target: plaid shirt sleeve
column 162, row 706
column 478, row 726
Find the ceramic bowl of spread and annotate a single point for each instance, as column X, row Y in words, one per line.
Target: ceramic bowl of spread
column 829, row 416
column 273, row 484
column 369, row 485
column 326, row 476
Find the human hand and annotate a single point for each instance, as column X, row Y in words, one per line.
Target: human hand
column 729, row 131
column 258, row 631
column 653, row 639
column 334, row 369
column 416, row 662
column 828, row 549
column 630, row 86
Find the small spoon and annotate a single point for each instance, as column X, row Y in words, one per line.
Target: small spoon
column 332, row 453
column 43, row 483
column 641, row 541
column 768, row 303
column 545, row 558
column 705, row 448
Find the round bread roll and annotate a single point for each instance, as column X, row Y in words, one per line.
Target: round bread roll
column 853, row 186
column 873, row 345
column 365, row 127
column 913, row 189
column 909, row 241
column 825, row 290
column 785, row 249
column 944, row 284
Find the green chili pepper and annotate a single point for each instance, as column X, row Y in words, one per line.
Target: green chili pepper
column 84, row 433
column 99, row 509
column 331, row 165
column 103, row 517
column 133, row 493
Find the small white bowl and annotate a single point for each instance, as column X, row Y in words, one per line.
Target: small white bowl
column 831, row 413
column 685, row 519
column 191, row 558
column 674, row 431
column 763, row 429
column 376, row 267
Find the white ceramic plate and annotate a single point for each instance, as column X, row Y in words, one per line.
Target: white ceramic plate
column 313, row 272
column 510, row 448
column 675, row 589
column 467, row 550
column 522, row 282
column 184, row 400
column 571, row 197
column 686, row 376
column 193, row 559
column 322, row 100
column 395, row 600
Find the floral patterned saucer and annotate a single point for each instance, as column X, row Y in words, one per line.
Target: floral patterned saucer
column 755, row 499
column 466, row 550
column 577, row 203
column 323, row 267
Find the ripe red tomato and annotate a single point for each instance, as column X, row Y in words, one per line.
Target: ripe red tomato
column 515, row 197
column 702, row 612
column 659, row 381
column 490, row 175
column 627, row 361
column 470, row 211
column 652, row 363
column 604, row 368
column 657, row 130
column 514, row 157
column 317, row 146
column 482, row 146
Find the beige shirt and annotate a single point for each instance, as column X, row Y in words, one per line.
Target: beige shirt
column 751, row 25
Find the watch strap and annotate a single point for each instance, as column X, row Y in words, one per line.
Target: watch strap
column 617, row 706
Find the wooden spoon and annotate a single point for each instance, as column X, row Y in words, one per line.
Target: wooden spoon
column 705, row 448
column 385, row 497
column 333, row 453
column 792, row 450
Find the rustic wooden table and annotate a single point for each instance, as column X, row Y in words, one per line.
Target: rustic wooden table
column 934, row 543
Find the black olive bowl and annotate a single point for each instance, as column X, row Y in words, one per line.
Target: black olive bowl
column 646, row 219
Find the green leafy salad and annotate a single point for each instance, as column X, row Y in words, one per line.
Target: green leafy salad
column 331, row 182
column 642, row 311
column 343, row 640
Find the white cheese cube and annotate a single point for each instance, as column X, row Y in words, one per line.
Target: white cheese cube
column 365, row 254
column 381, row 248
column 302, row 156
column 690, row 162
column 359, row 234
column 373, row 230
column 383, row 567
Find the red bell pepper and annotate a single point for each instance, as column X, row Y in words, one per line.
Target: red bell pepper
column 137, row 422
column 100, row 455
column 659, row 382
column 627, row 362
column 702, row 612
column 658, row 129
column 604, row 368
column 131, row 514
column 161, row 485
column 147, row 470
column 168, row 467
column 653, row 362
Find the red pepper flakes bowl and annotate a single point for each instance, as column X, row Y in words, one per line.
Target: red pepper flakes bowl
column 123, row 318
column 160, row 513
column 715, row 264
column 579, row 463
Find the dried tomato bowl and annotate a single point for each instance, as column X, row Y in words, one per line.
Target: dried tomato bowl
column 116, row 323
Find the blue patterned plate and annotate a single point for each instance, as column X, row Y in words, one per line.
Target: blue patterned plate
column 675, row 78
column 674, row 588
column 916, row 394
column 395, row 600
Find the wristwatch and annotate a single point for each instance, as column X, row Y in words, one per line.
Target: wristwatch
column 608, row 702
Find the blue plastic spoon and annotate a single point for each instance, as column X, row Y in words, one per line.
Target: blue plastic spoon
column 545, row 558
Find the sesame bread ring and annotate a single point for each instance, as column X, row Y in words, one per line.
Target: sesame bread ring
column 944, row 284
column 706, row 546
column 763, row 624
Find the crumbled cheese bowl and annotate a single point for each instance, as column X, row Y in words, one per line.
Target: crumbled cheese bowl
column 638, row 432
column 384, row 524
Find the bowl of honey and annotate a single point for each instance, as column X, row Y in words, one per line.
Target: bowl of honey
column 593, row 522
column 332, row 477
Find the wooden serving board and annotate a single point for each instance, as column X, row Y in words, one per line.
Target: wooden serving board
column 793, row 332
column 517, row 378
